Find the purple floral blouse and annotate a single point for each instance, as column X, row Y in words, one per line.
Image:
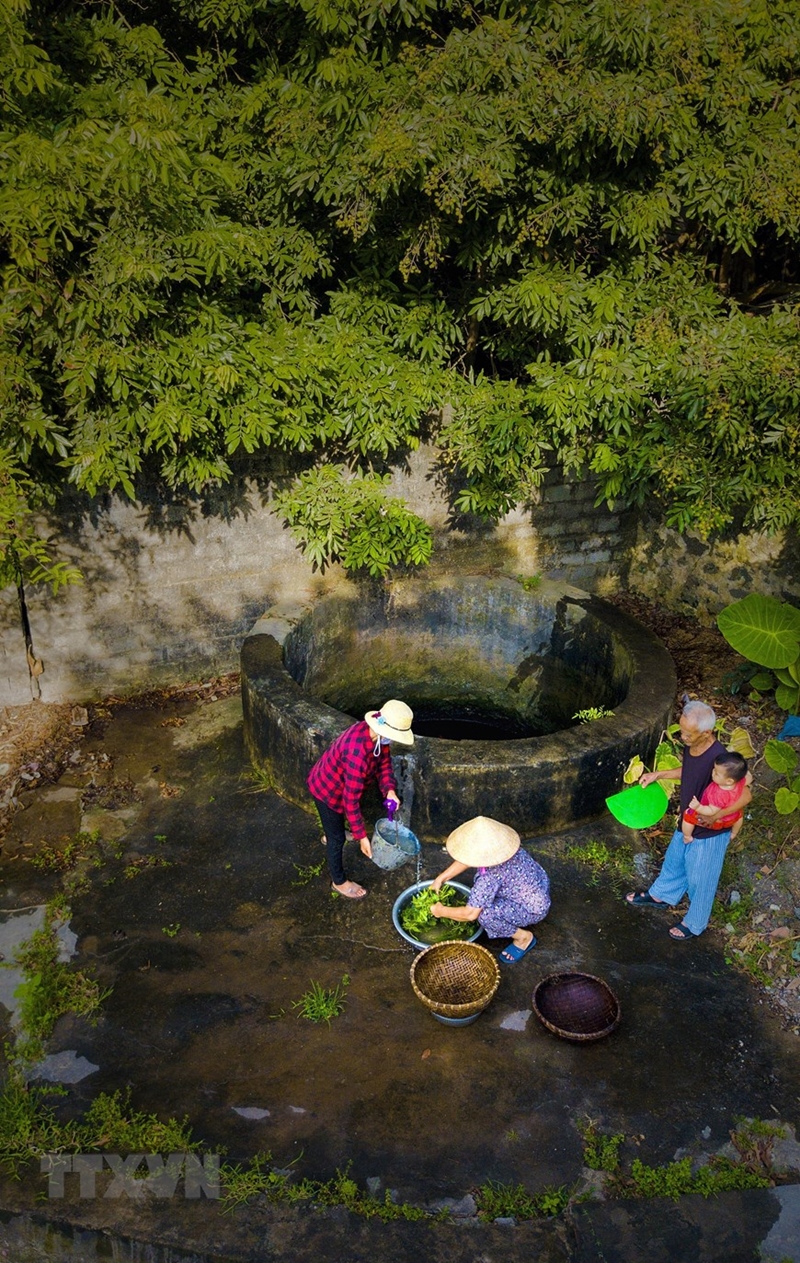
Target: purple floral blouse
column 511, row 895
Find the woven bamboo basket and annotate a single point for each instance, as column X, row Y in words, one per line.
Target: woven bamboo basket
column 577, row 1006
column 455, row 979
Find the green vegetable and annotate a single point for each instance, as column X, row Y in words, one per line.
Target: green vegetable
column 417, row 920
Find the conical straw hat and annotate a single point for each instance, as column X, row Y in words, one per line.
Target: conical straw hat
column 483, row 842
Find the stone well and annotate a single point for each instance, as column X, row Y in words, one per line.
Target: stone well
column 475, row 658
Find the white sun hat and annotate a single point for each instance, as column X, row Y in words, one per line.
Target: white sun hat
column 393, row 720
column 483, row 842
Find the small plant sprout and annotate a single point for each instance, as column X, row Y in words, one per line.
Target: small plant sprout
column 171, row 930
column 590, row 713
column 600, row 1151
column 321, row 1004
column 243, row 1182
column 496, row 1200
column 50, row 988
column 617, row 864
column 260, row 780
column 307, row 873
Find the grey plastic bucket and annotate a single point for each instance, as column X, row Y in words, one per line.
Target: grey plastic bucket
column 393, row 844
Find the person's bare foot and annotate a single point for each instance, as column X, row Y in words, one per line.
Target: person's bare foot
column 350, row 890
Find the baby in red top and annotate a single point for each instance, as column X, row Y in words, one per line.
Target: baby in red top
column 727, row 783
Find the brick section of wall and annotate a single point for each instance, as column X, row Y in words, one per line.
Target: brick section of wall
column 585, row 544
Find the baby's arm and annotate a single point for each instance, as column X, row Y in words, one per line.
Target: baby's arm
column 707, row 811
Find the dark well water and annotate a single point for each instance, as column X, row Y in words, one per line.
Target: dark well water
column 496, row 671
column 452, row 726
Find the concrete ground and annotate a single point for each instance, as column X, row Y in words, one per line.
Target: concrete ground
column 209, row 931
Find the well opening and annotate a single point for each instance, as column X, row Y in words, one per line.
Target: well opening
column 475, row 661
column 495, row 676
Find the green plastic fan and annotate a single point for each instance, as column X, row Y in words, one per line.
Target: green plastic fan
column 640, row 806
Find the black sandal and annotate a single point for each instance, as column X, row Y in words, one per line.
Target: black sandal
column 679, row 933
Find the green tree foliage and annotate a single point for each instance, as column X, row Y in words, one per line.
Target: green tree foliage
column 558, row 231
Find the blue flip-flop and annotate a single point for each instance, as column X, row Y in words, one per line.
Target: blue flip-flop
column 511, row 954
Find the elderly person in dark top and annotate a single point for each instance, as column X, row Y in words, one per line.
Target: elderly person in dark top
column 511, row 891
column 692, row 865
column 338, row 778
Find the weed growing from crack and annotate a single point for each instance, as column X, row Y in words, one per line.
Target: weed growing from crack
column 600, row 1151
column 261, row 780
column 496, row 1200
column 50, row 988
column 676, row 1179
column 29, row 1128
column 110, row 1123
column 242, row 1183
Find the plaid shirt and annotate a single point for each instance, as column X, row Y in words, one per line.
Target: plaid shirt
column 340, row 774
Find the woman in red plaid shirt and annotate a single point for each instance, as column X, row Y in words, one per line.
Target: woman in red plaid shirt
column 337, row 780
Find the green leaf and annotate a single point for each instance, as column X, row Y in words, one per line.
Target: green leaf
column 785, row 676
column 780, row 756
column 763, row 681
column 786, row 802
column 788, row 698
column 666, row 759
column 762, row 629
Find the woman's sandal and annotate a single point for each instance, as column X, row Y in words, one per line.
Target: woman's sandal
column 636, row 900
column 679, row 933
column 354, row 892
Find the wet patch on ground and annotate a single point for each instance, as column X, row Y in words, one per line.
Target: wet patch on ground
column 209, row 951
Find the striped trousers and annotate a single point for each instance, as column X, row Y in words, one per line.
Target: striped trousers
column 694, row 867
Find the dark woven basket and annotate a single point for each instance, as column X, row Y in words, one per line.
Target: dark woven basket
column 455, row 979
column 577, row 1006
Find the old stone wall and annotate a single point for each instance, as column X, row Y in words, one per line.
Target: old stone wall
column 693, row 576
column 172, row 584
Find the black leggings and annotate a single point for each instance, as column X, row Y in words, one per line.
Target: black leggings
column 333, row 828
